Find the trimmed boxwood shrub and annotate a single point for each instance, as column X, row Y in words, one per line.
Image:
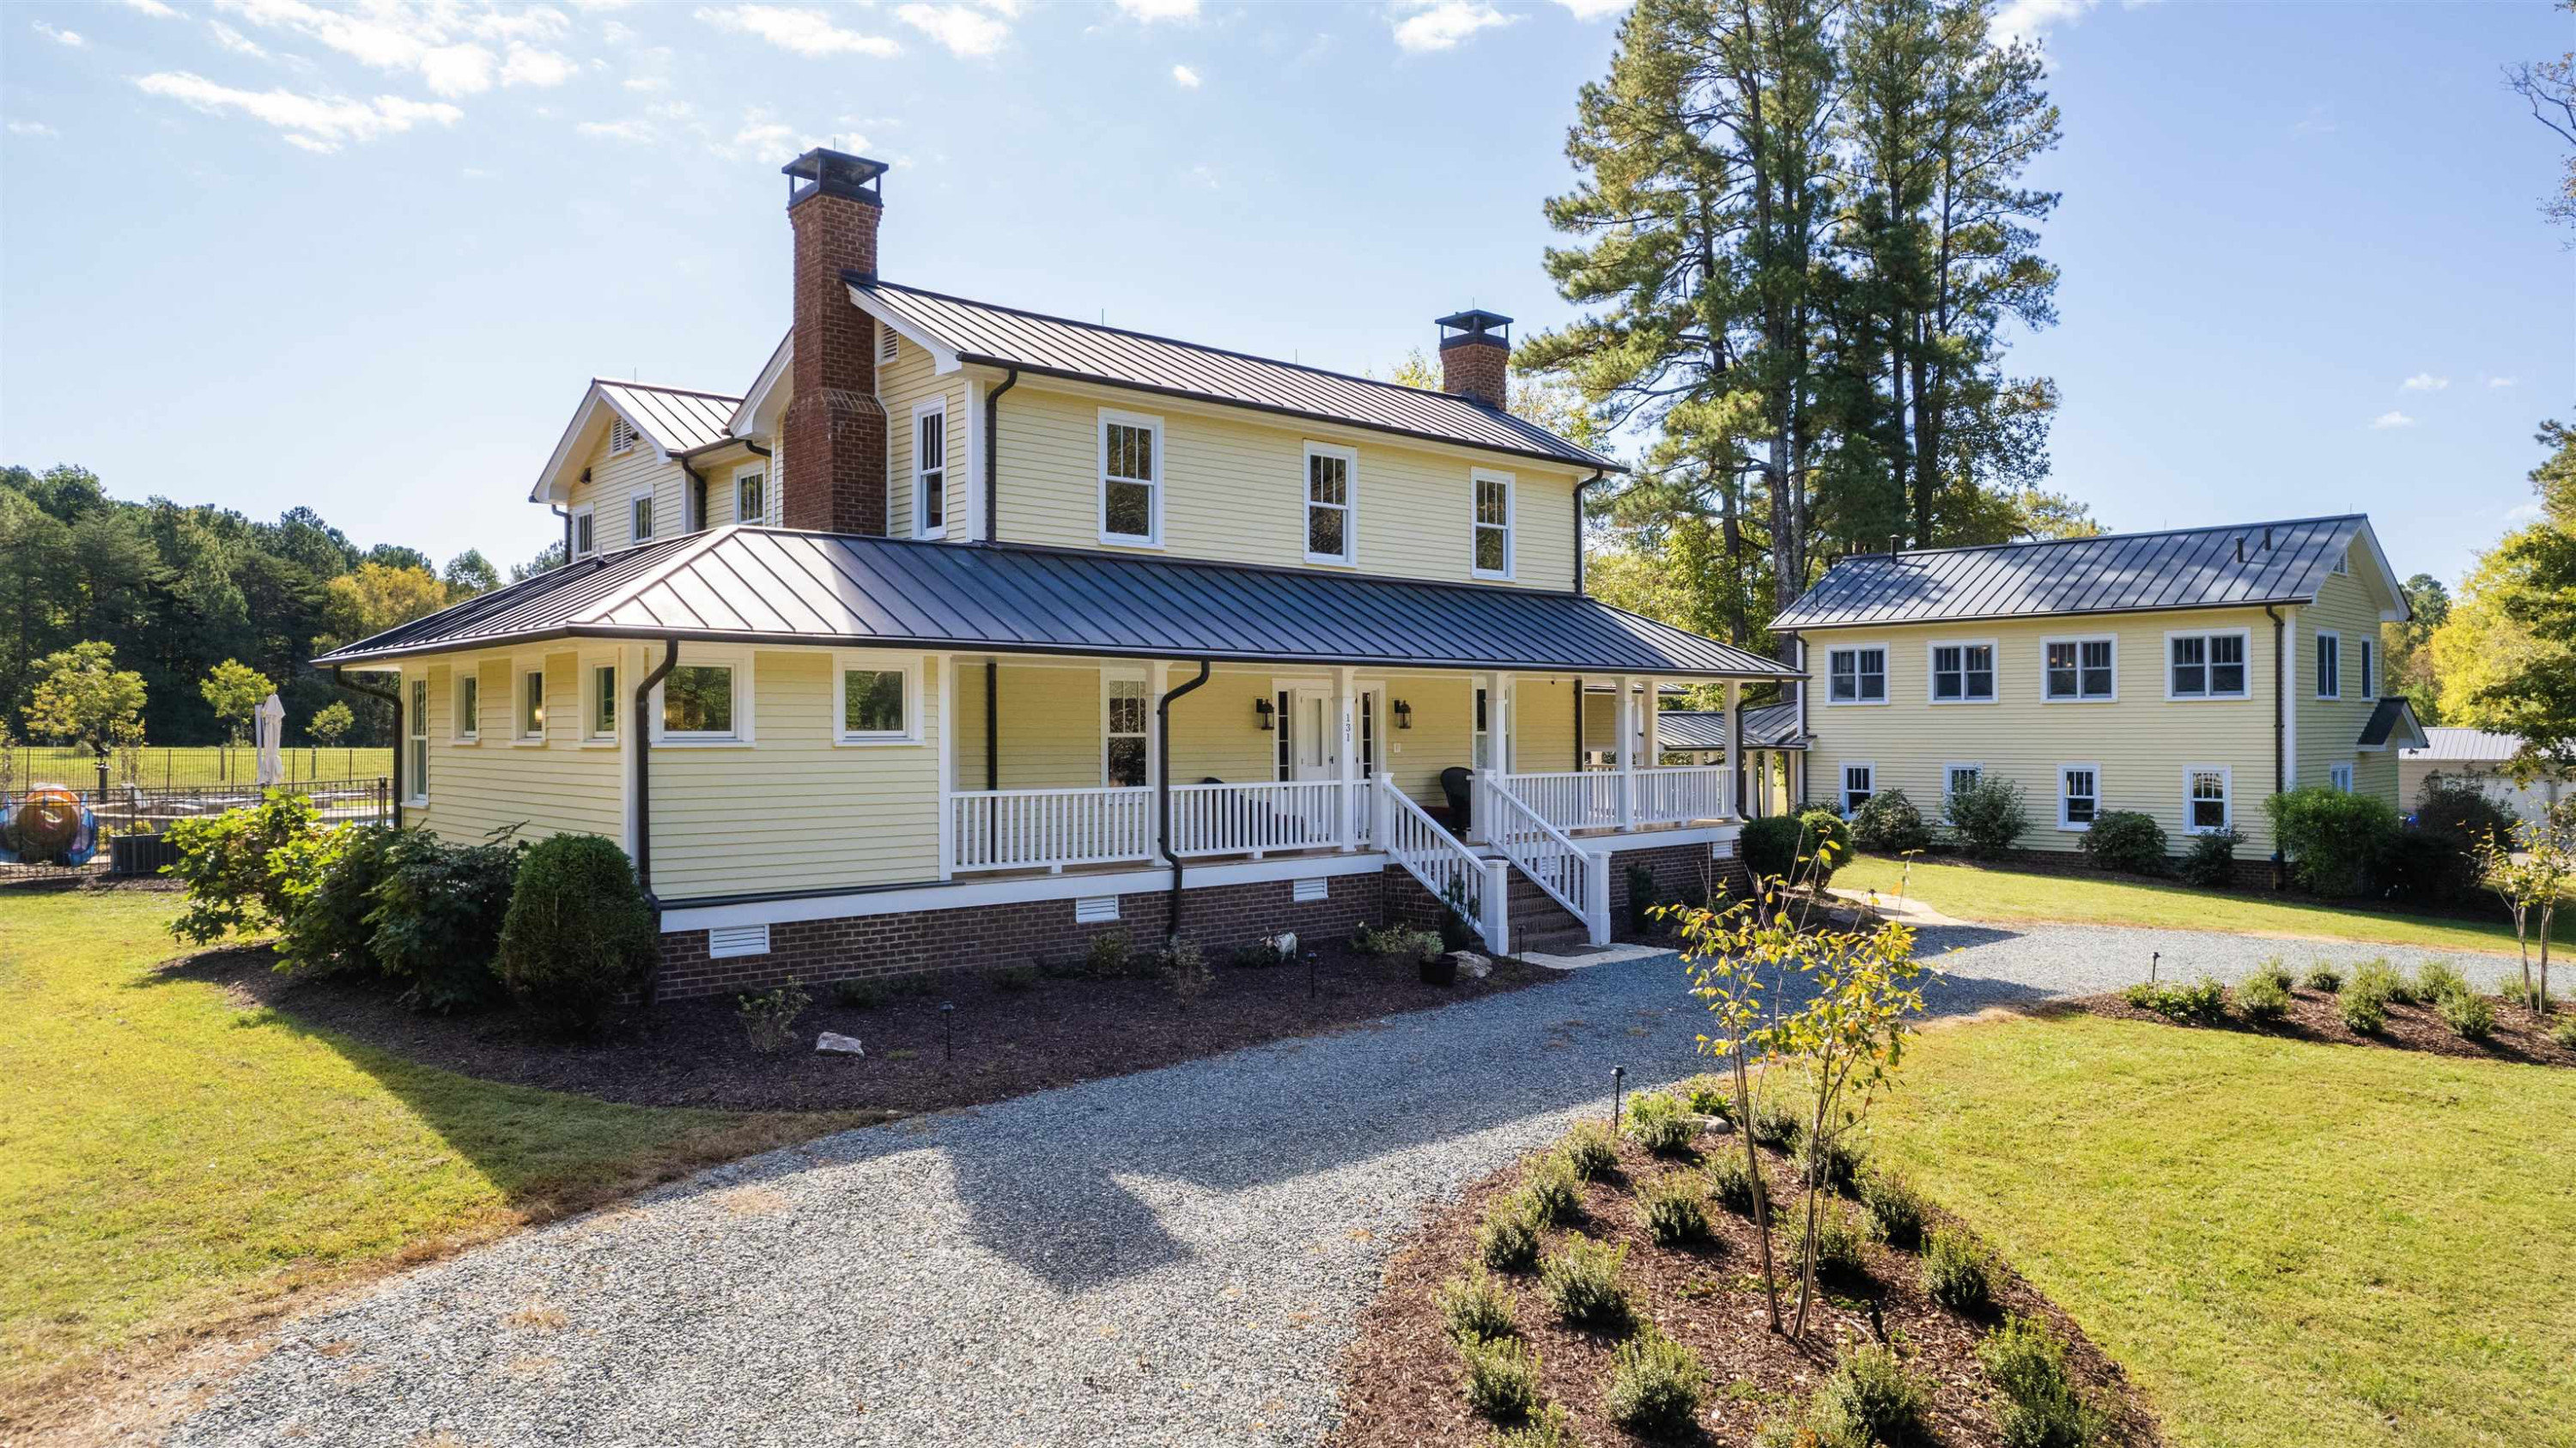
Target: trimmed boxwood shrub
column 2126, row 840
column 2211, row 860
column 1989, row 815
column 1785, row 846
column 2335, row 842
column 1889, row 824
column 438, row 916
column 578, row 933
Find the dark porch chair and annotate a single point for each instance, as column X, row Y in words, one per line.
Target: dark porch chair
column 1454, row 784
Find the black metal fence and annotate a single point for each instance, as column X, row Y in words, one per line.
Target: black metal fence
column 54, row 833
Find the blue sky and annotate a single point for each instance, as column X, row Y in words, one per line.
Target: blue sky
column 263, row 252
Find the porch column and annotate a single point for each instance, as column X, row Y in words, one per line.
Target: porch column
column 1346, row 828
column 1506, row 722
column 1734, row 749
column 947, row 666
column 1627, row 727
column 1654, row 746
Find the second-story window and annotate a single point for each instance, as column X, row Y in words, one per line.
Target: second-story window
column 640, row 518
column 1493, row 544
column 1131, row 478
column 1856, row 676
column 751, row 497
column 585, row 538
column 2207, row 666
column 1330, row 536
column 1963, row 673
column 930, row 470
column 2080, row 669
column 2329, row 665
column 2369, row 661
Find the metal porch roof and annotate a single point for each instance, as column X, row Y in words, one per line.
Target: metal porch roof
column 1766, row 726
column 1001, row 336
column 779, row 586
column 2114, row 573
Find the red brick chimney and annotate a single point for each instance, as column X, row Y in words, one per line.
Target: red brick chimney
column 1476, row 355
column 832, row 459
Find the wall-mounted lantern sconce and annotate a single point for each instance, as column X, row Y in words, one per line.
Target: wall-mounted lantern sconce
column 1261, row 707
column 1403, row 715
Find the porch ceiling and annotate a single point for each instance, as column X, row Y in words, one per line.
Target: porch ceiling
column 762, row 585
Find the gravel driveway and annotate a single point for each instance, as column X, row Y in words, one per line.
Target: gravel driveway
column 1173, row 1257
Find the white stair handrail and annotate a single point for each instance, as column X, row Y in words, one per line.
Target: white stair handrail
column 1442, row 865
column 1575, row 879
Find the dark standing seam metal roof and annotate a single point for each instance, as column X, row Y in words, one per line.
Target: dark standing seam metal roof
column 679, row 420
column 766, row 585
column 2385, row 717
column 1033, row 342
column 2115, row 573
column 1766, row 726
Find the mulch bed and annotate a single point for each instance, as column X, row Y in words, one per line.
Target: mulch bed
column 1010, row 1038
column 1402, row 1377
column 2519, row 1036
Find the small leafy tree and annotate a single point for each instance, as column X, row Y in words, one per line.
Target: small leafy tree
column 81, row 695
column 233, row 690
column 329, row 723
column 225, row 861
column 2533, row 875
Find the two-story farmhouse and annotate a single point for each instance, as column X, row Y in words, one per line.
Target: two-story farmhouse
column 967, row 631
column 2188, row 675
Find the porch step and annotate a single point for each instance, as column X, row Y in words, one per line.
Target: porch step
column 1549, row 942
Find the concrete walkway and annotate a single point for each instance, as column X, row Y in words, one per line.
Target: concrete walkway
column 1175, row 1257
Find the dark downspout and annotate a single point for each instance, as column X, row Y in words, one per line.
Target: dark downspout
column 1578, row 711
column 992, row 724
column 566, row 515
column 1163, row 795
column 1578, row 569
column 391, row 696
column 644, row 688
column 992, row 459
column 698, row 486
column 2280, row 731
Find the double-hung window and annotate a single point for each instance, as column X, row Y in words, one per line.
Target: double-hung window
column 2340, row 776
column 1330, row 534
column 2080, row 669
column 2369, row 661
column 2079, row 796
column 879, row 701
column 1860, row 781
column 600, row 719
column 2205, row 666
column 751, row 496
column 1123, row 733
column 1131, row 478
column 417, row 726
column 585, row 537
column 639, row 526
column 2329, row 664
column 1856, row 675
column 1493, row 541
column 532, row 705
column 930, row 470
column 1957, row 778
column 2204, row 801
column 1963, row 673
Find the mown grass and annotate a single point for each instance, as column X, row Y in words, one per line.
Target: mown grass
column 2284, row 1243
column 171, row 1162
column 1968, row 893
column 184, row 765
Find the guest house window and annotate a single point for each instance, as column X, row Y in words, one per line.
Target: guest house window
column 469, row 706
column 1859, row 783
column 877, row 702
column 751, row 497
column 930, row 470
column 532, row 704
column 1963, row 673
column 585, row 538
column 2205, row 799
column 1123, row 763
column 2329, row 665
column 640, row 518
column 1131, row 478
column 2340, row 776
column 1493, row 542
column 1956, row 778
column 2079, row 796
column 417, row 726
column 702, row 703
column 1856, row 675
column 2206, row 666
column 2081, row 668
column 1330, row 536
column 2369, row 661
column 603, row 701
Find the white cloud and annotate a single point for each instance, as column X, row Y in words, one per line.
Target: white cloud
column 601, row 4
column 807, row 32
column 540, row 23
column 630, row 129
column 1205, row 175
column 1149, row 11
column 2030, row 19
column 153, row 8
column 650, row 70
column 2424, row 382
column 1594, row 9
column 236, row 42
column 2315, row 123
column 72, row 38
column 530, row 66
column 2523, row 513
column 458, row 70
column 31, row 128
column 434, row 39
column 315, row 123
column 1442, row 24
column 1185, row 78
column 962, row 29
column 2500, row 382
column 2387, row 420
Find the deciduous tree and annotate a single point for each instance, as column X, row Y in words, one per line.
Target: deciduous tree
column 82, row 696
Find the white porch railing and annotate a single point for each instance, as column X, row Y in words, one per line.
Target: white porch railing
column 1449, row 870
column 1254, row 819
column 1579, row 800
column 1591, row 799
column 1578, row 881
column 1020, row 829
column 1679, row 795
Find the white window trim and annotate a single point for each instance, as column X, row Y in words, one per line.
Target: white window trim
column 1349, row 557
column 520, row 669
column 1476, row 478
column 2227, row 801
column 1162, row 476
column 1946, row 767
column 2316, row 661
column 1842, row 790
column 1138, row 677
column 729, row 656
column 2340, row 775
column 2245, row 636
column 464, row 726
column 843, row 663
column 1887, row 675
column 2063, row 822
column 416, row 728
column 1994, row 653
column 590, row 665
column 758, row 470
column 2079, row 640
column 653, row 513
column 938, row 407
column 586, row 513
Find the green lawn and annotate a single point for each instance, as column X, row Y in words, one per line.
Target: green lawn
column 169, row 1161
column 77, row 767
column 2012, row 895
column 2285, row 1244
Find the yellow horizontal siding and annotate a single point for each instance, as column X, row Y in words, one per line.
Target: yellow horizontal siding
column 2330, row 729
column 903, row 385
column 558, row 787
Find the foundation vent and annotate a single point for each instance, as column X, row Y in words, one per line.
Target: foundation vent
column 727, row 941
column 1095, row 909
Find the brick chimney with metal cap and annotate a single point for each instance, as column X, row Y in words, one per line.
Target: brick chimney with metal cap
column 832, row 442
column 1476, row 355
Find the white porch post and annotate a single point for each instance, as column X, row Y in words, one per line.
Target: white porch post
column 1734, row 761
column 1347, row 795
column 947, row 666
column 1654, row 746
column 1506, row 723
column 1497, row 903
column 1627, row 752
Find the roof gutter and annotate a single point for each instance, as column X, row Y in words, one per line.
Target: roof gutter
column 992, row 458
column 393, row 697
column 1163, row 795
column 644, row 688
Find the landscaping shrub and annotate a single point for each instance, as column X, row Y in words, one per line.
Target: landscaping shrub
column 1552, row 1190
column 1786, row 846
column 1106, row 958
column 1476, row 1306
column 2379, row 978
column 1989, row 815
column 2323, row 977
column 1582, row 1283
column 578, row 934
column 1829, row 1164
column 1642, row 899
column 1401, row 944
column 1262, row 954
column 1957, row 1273
column 2211, row 860
column 769, row 1017
column 2203, row 1002
column 2265, row 995
column 1889, row 824
column 1732, row 1184
column 1457, row 927
column 1507, row 1240
column 2334, row 840
column 1183, row 969
column 1590, row 1150
column 2126, row 840
column 1895, row 1209
column 860, row 995
column 1502, row 1377
column 2365, row 1013
column 2435, row 979
column 2435, row 858
column 1655, row 1386
column 1872, row 1398
column 2042, row 1409
column 438, row 916
column 223, row 861
column 326, row 879
column 1658, row 1123
column 2470, row 1016
column 1549, row 1427
column 1708, row 1095
column 1840, row 1250
column 2563, row 1032
column 1675, row 1208
column 1775, row 1126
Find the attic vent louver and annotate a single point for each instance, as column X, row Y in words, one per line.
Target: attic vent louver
column 888, row 344
column 621, row 435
